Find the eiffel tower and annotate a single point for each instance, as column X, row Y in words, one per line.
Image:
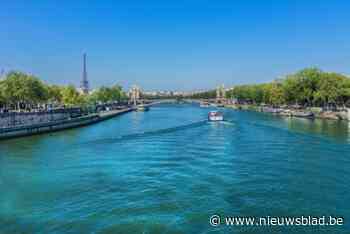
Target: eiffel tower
column 84, row 86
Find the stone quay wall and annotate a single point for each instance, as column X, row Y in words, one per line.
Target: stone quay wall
column 44, row 122
column 14, row 119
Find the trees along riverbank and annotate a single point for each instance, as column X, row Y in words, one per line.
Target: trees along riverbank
column 211, row 94
column 324, row 94
column 20, row 91
column 309, row 87
column 309, row 92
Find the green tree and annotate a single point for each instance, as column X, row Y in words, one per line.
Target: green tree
column 116, row 93
column 276, row 94
column 22, row 88
column 71, row 97
column 54, row 93
column 291, row 90
column 345, row 93
column 332, row 89
column 2, row 96
column 204, row 95
column 107, row 94
column 306, row 85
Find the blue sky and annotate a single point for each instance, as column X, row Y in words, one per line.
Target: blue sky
column 179, row 45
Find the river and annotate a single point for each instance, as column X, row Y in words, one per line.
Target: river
column 168, row 170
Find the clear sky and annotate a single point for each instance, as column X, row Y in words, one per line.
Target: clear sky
column 178, row 45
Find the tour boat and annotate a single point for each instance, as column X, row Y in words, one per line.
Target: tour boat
column 215, row 116
column 142, row 108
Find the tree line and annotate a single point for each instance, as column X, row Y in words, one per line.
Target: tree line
column 308, row 87
column 210, row 94
column 23, row 91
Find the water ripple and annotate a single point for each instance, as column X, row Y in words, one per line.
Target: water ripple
column 168, row 171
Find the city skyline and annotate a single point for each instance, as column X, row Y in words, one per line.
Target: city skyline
column 173, row 46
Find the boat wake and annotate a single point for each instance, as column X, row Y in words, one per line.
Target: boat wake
column 226, row 122
column 150, row 133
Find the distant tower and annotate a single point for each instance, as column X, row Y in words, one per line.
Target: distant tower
column 134, row 94
column 84, row 86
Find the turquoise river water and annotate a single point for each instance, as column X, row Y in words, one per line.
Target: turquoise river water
column 168, row 170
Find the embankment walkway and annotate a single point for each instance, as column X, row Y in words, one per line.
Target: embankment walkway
column 52, row 126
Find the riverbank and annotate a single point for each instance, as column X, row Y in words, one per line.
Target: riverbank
column 310, row 112
column 58, row 125
column 27, row 124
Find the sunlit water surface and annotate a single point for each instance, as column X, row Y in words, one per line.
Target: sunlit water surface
column 168, row 171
